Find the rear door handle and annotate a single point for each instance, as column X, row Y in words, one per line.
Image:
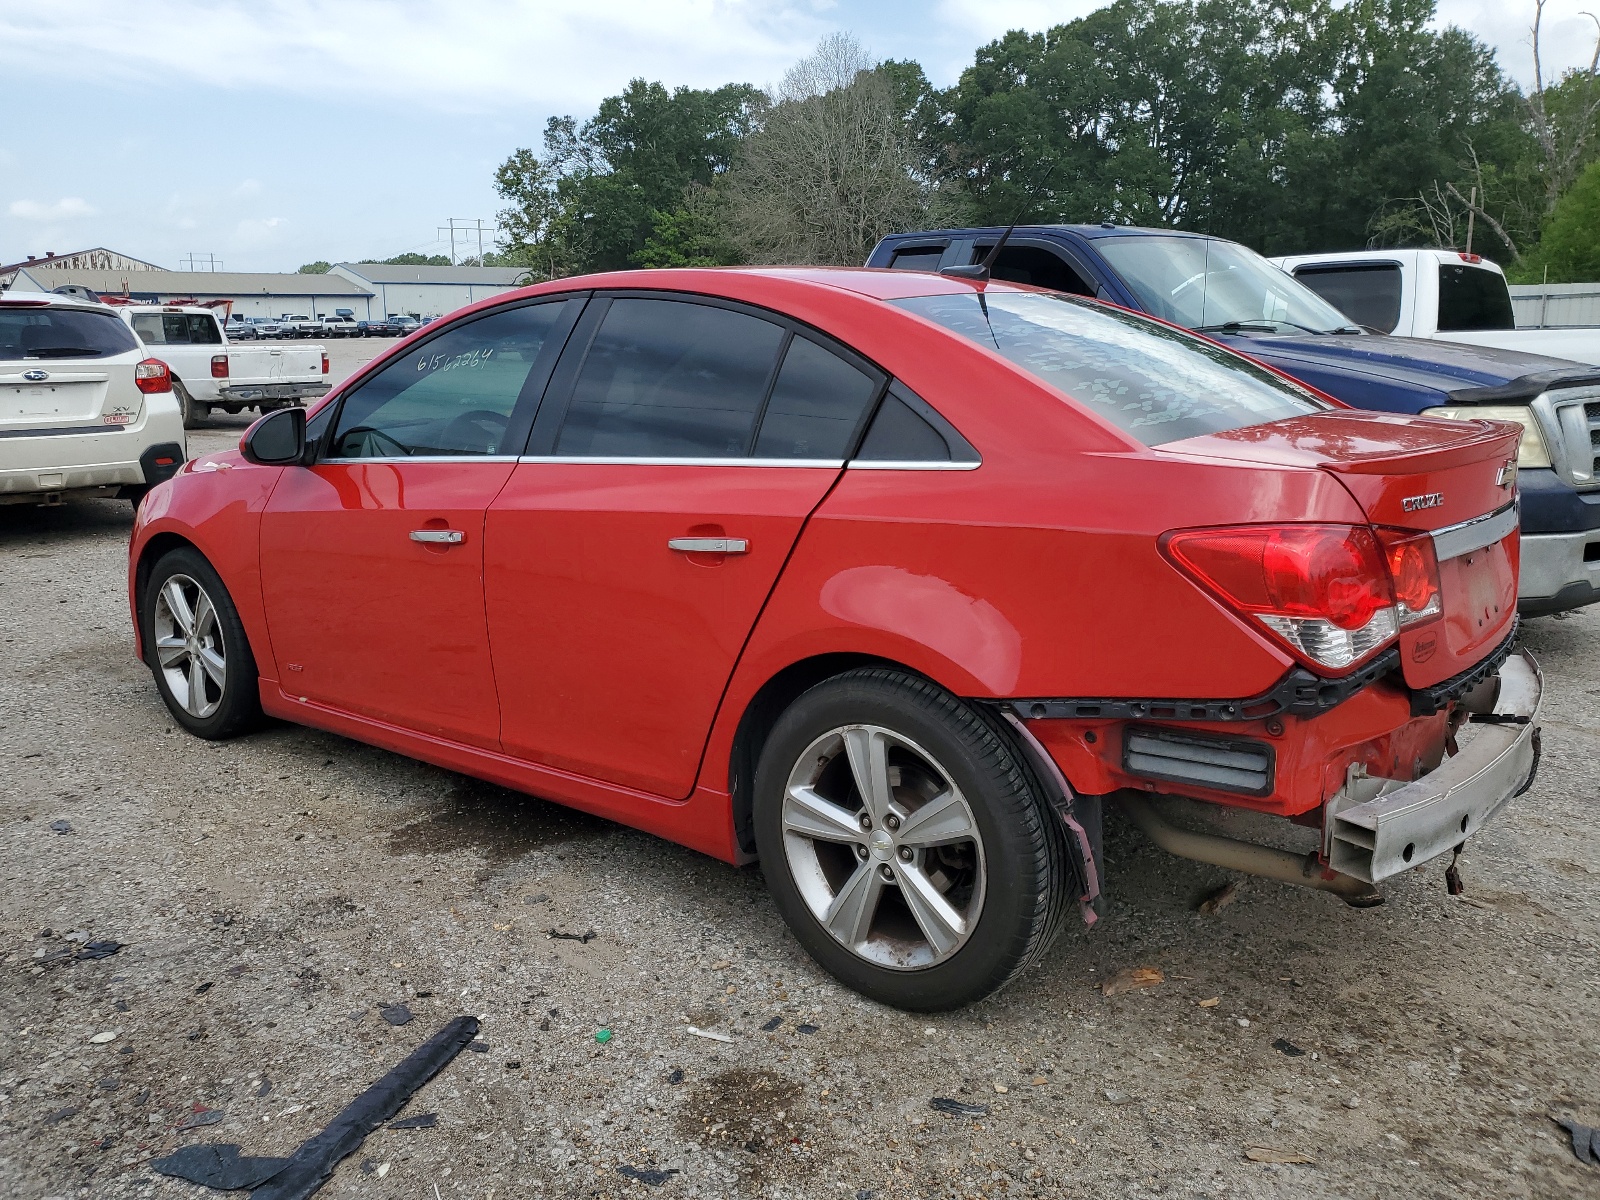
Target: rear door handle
column 446, row 537
column 709, row 545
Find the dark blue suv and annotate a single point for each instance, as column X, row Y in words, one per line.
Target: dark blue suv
column 1232, row 294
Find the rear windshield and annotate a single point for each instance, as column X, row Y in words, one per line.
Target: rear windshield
column 1154, row 382
column 1367, row 293
column 1473, row 298
column 61, row 333
column 177, row 329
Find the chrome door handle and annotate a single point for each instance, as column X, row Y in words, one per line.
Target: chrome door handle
column 445, row 537
column 721, row 545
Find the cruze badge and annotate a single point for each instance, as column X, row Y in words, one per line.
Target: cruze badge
column 1417, row 503
column 1507, row 475
column 36, row 376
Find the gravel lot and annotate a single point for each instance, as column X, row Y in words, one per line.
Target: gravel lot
column 272, row 892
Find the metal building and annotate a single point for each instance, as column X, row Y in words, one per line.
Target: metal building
column 428, row 291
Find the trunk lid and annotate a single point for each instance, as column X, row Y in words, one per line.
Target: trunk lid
column 1415, row 473
column 68, row 395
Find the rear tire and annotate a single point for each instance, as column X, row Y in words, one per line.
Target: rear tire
column 186, row 404
column 939, row 889
column 196, row 647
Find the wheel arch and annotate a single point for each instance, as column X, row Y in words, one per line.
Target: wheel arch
column 158, row 546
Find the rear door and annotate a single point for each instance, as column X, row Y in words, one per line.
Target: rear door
column 372, row 559
column 682, row 447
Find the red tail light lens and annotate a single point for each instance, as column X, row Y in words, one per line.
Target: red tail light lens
column 1414, row 570
column 219, row 366
column 1322, row 590
column 324, row 362
column 151, row 377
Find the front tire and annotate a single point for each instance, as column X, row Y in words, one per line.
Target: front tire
column 196, row 647
column 904, row 841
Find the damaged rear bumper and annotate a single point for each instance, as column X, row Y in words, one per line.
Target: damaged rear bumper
column 1375, row 827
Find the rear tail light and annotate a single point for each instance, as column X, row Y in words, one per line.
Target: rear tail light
column 324, row 362
column 1335, row 595
column 219, row 366
column 152, row 377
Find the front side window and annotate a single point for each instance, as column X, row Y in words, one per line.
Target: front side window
column 452, row 395
column 1150, row 380
column 1367, row 293
column 670, row 379
column 1210, row 285
column 1472, row 298
column 61, row 333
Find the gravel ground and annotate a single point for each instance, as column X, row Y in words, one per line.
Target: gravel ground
column 274, row 891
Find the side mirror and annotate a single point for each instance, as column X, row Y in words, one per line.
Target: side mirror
column 277, row 439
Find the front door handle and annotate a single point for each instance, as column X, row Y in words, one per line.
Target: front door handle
column 444, row 537
column 709, row 545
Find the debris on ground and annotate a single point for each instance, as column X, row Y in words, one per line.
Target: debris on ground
column 312, row 1164
column 202, row 1117
column 602, row 1036
column 218, row 1165
column 93, row 950
column 1132, row 979
column 100, row 1039
column 955, row 1108
column 1585, row 1141
column 1268, row 1154
column 706, row 1033
column 1219, row 899
column 478, row 1047
column 585, row 938
column 61, row 1114
column 61, row 826
column 1211, row 1003
column 420, row 1121
column 772, row 1024
column 807, row 1028
column 650, row 1176
column 1285, row 1046
column 204, row 988
column 395, row 1014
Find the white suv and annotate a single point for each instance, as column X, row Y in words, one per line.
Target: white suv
column 82, row 406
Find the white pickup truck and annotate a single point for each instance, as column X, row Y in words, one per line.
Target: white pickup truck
column 1443, row 294
column 208, row 372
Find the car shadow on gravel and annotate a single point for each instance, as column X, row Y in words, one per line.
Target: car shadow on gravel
column 47, row 526
column 496, row 822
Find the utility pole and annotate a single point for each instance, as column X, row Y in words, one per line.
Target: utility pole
column 200, row 262
column 469, row 227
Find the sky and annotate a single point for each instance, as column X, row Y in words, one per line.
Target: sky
column 270, row 133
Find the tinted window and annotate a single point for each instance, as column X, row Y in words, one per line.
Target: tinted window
column 1034, row 265
column 670, row 379
column 61, row 333
column 1473, row 298
column 898, row 434
column 1155, row 382
column 816, row 405
column 917, row 258
column 1367, row 293
column 454, row 394
column 176, row 329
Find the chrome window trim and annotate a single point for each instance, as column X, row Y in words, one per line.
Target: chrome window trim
column 1455, row 540
column 624, row 461
column 422, row 458
column 893, row 465
column 1567, row 433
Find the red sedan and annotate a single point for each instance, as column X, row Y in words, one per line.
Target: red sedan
column 887, row 579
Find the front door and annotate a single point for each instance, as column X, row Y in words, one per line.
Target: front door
column 628, row 560
column 372, row 559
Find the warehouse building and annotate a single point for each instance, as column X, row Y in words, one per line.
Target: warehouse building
column 366, row 291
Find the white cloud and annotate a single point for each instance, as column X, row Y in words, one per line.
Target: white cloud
column 481, row 56
column 64, row 209
column 1567, row 40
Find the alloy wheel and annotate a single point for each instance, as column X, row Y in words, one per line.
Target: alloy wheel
column 883, row 847
column 189, row 646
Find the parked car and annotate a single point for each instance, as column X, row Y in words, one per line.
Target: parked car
column 240, row 329
column 404, row 324
column 377, row 327
column 889, row 579
column 1238, row 298
column 207, row 373
column 1443, row 294
column 339, row 326
column 266, row 327
column 83, row 407
column 300, row 325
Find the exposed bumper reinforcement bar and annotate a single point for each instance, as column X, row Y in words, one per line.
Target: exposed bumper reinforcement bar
column 1374, row 827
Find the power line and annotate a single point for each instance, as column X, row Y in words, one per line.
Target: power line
column 200, row 262
column 468, row 227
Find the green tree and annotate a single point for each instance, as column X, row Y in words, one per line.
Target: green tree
column 412, row 259
column 1569, row 244
column 315, row 268
column 593, row 199
column 694, row 234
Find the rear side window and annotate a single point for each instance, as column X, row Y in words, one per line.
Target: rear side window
column 816, row 405
column 453, row 395
column 671, row 379
column 1157, row 383
column 916, row 258
column 1472, row 298
column 61, row 333
column 177, row 329
column 906, row 429
column 1034, row 265
column 1367, row 293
